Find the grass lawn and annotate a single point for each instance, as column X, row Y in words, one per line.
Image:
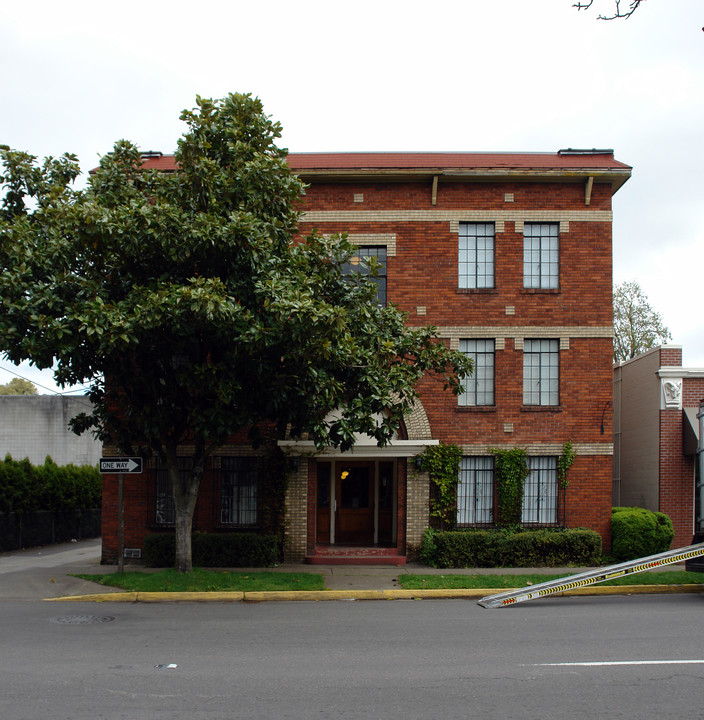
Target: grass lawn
column 207, row 581
column 442, row 582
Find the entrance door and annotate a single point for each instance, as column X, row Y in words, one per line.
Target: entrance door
column 354, row 493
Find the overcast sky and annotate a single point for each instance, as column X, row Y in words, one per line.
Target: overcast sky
column 475, row 75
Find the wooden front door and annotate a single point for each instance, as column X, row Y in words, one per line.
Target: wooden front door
column 354, row 494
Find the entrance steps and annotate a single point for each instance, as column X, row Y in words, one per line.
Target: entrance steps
column 353, row 555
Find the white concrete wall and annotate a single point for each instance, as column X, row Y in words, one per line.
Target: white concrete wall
column 34, row 426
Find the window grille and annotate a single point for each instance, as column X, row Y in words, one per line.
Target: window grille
column 238, row 491
column 475, row 491
column 164, row 509
column 540, row 492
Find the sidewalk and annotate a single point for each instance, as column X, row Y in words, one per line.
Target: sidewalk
column 45, row 573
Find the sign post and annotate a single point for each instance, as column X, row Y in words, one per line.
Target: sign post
column 121, row 466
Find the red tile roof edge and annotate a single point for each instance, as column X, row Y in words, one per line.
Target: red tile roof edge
column 433, row 160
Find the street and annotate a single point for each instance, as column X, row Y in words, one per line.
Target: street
column 392, row 659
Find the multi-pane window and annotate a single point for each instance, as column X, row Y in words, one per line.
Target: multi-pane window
column 541, row 256
column 164, row 510
column 359, row 263
column 541, row 372
column 238, row 491
column 476, row 255
column 475, row 491
column 540, row 492
column 479, row 386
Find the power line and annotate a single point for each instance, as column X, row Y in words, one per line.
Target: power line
column 43, row 387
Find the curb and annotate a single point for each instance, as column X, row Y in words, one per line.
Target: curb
column 327, row 595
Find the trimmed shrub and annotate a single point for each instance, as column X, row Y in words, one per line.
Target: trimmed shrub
column 213, row 550
column 511, row 548
column 30, row 488
column 637, row 532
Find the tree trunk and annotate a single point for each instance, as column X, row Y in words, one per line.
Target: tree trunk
column 185, row 485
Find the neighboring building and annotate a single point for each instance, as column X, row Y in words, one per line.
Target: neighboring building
column 509, row 256
column 34, row 426
column 656, row 431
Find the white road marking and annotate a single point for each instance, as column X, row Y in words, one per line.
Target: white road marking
column 607, row 663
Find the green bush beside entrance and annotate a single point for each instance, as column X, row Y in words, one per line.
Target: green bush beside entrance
column 637, row 532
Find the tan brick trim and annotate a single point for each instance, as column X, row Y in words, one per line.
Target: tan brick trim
column 360, row 240
column 456, row 216
column 519, row 332
column 417, row 423
column 540, row 448
column 498, row 224
column 564, row 224
column 295, row 535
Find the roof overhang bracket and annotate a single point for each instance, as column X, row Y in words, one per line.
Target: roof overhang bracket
column 588, row 190
column 434, row 197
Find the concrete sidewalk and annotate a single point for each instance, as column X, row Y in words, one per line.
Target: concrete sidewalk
column 46, row 573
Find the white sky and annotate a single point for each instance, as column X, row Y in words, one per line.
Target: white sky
column 404, row 75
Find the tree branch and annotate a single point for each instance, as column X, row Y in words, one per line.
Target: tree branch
column 633, row 6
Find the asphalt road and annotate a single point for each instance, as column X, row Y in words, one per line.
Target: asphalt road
column 385, row 659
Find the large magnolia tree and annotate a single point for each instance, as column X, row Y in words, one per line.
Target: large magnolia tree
column 188, row 304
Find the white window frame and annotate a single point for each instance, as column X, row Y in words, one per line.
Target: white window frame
column 479, row 387
column 541, row 256
column 541, row 372
column 476, row 255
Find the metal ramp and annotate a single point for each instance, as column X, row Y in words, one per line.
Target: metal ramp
column 591, row 577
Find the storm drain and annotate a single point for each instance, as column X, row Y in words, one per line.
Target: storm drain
column 81, row 619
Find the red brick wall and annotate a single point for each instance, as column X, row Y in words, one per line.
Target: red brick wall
column 676, row 469
column 423, row 274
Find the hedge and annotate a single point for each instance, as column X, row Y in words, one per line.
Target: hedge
column 637, row 532
column 511, row 548
column 213, row 550
column 28, row 488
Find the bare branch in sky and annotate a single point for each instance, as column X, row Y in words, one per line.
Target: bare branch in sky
column 632, row 7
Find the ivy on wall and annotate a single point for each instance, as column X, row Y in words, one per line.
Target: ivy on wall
column 564, row 463
column 511, row 470
column 442, row 463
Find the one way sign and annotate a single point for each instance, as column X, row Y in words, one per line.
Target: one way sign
column 130, row 465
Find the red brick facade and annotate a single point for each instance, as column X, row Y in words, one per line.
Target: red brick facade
column 413, row 205
column 655, row 463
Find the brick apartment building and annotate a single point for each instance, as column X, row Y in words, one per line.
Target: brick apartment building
column 656, row 430
column 509, row 256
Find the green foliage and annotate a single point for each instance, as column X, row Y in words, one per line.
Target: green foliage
column 637, row 532
column 428, row 548
column 209, row 581
column 499, row 581
column 564, row 463
column 18, row 386
column 442, row 463
column 213, row 550
column 27, row 488
column 511, row 470
column 515, row 548
column 191, row 294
